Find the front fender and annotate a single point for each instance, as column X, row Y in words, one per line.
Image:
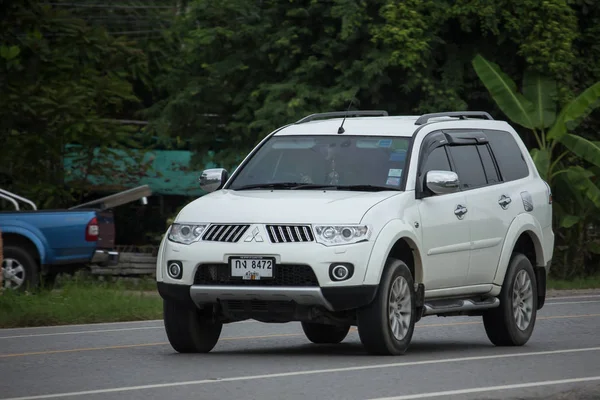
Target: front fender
column 522, row 223
column 159, row 257
column 393, row 231
column 35, row 237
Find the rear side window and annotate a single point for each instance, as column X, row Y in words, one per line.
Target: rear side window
column 508, row 155
column 488, row 164
column 468, row 166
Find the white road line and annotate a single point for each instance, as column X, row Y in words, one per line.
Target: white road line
column 162, row 326
column 490, row 388
column 583, row 296
column 76, row 325
column 300, row 373
column 553, row 303
column 78, row 332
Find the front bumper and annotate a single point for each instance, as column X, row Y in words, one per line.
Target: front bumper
column 317, row 257
column 105, row 258
column 301, row 275
column 332, row 299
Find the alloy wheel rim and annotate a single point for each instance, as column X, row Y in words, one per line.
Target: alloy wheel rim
column 522, row 300
column 399, row 308
column 13, row 273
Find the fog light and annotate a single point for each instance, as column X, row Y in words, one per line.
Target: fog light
column 341, row 271
column 174, row 269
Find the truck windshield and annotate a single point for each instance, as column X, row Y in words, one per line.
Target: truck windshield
column 367, row 163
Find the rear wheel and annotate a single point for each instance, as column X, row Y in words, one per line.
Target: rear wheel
column 321, row 333
column 188, row 330
column 512, row 323
column 386, row 325
column 19, row 268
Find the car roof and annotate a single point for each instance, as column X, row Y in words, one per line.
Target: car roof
column 399, row 126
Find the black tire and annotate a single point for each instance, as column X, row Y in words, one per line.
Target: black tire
column 188, row 331
column 374, row 327
column 30, row 272
column 500, row 323
column 321, row 333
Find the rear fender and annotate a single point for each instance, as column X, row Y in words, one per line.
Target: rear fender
column 522, row 223
column 31, row 233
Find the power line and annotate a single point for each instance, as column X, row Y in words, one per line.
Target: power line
column 106, row 6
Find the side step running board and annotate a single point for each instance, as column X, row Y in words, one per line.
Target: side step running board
column 458, row 306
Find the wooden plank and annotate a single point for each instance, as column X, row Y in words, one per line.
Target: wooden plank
column 129, row 264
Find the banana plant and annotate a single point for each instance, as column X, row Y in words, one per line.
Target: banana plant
column 536, row 109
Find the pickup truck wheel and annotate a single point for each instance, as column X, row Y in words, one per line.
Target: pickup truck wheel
column 386, row 325
column 321, row 333
column 188, row 330
column 512, row 323
column 19, row 269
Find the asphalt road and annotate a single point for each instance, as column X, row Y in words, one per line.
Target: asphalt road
column 450, row 358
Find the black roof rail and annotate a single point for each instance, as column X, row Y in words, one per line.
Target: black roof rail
column 423, row 119
column 333, row 114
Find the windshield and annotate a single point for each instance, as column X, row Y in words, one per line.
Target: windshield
column 305, row 162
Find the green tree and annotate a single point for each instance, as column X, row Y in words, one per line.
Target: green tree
column 247, row 67
column 63, row 82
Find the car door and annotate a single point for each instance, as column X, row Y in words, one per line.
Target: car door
column 489, row 205
column 444, row 227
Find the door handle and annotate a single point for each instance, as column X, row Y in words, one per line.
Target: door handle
column 460, row 211
column 504, row 201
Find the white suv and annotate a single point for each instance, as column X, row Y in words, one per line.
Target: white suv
column 360, row 218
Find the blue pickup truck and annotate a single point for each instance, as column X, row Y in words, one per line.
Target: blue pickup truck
column 40, row 244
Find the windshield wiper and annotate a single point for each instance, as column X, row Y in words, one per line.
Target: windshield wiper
column 314, row 186
column 367, row 188
column 276, row 185
column 298, row 186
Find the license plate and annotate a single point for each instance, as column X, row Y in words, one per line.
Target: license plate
column 251, row 268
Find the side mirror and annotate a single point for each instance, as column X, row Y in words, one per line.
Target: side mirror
column 442, row 182
column 213, row 179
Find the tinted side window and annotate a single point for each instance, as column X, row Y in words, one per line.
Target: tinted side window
column 508, row 155
column 437, row 160
column 488, row 164
column 468, row 166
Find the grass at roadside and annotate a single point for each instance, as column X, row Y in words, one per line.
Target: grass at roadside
column 591, row 282
column 78, row 302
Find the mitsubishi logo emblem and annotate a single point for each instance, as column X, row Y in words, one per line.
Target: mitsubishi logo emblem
column 254, row 236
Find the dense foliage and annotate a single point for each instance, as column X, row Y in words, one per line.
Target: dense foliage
column 65, row 80
column 217, row 76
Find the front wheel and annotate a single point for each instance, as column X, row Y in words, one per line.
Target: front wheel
column 188, row 330
column 386, row 325
column 321, row 333
column 512, row 323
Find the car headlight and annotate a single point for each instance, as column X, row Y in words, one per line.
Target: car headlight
column 186, row 233
column 332, row 235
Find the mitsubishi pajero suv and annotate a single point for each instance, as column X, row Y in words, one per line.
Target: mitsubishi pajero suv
column 363, row 219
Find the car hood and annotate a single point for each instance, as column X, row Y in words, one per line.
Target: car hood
column 282, row 206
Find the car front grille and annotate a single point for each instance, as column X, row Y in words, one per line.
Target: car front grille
column 290, row 233
column 283, row 275
column 229, row 233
